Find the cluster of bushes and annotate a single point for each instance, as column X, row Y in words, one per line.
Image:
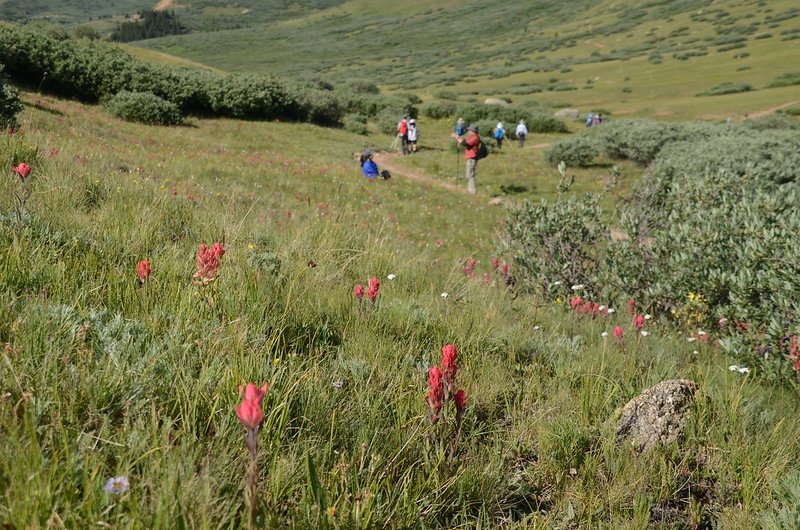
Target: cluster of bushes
column 715, row 215
column 488, row 115
column 92, row 71
column 150, row 25
column 727, row 88
column 10, row 104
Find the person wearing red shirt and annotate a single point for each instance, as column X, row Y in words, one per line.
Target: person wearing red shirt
column 402, row 132
column 471, row 142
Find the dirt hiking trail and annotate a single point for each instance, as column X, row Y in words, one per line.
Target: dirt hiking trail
column 162, row 5
column 773, row 109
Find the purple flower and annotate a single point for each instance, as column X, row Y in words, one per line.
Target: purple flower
column 117, row 485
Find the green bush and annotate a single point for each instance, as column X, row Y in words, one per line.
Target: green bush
column 356, row 123
column 144, row 107
column 438, row 109
column 727, row 88
column 10, row 105
column 788, row 79
column 579, row 151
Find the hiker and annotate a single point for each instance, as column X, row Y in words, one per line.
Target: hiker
column 412, row 136
column 472, row 143
column 499, row 134
column 589, row 119
column 368, row 166
column 522, row 132
column 597, row 120
column 402, row 132
column 459, row 130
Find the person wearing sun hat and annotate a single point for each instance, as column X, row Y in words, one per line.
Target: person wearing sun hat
column 472, row 142
column 412, row 136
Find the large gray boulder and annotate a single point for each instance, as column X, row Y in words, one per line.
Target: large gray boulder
column 657, row 416
column 495, row 101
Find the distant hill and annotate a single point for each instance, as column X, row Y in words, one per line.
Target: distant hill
column 627, row 57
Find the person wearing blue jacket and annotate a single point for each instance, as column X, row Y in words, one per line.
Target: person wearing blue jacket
column 368, row 166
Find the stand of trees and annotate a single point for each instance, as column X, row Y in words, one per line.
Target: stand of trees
column 150, row 25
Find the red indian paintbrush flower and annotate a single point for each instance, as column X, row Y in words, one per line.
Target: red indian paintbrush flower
column 372, row 292
column 143, row 270
column 618, row 333
column 435, row 392
column 632, row 307
column 23, row 170
column 358, row 292
column 208, row 262
column 495, row 263
column 449, row 363
column 638, row 322
column 460, row 399
column 575, row 302
column 249, row 410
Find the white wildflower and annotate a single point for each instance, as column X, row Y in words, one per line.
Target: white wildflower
column 604, row 334
column 644, row 333
column 744, row 370
column 733, row 368
column 391, row 277
column 610, row 311
column 536, row 328
column 691, row 339
column 578, row 287
column 648, row 317
column 701, row 333
column 601, row 308
column 443, row 295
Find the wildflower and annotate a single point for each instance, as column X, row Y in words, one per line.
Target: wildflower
column 117, row 485
column 276, row 361
column 495, row 263
column 338, row 384
column 143, row 271
column 249, row 410
column 460, row 399
column 372, row 292
column 435, row 392
column 743, row 370
column 557, row 283
column 722, row 322
column 391, row 277
column 631, row 307
column 604, row 334
column 733, row 368
column 618, row 333
column 695, row 352
column 536, row 328
column 611, row 311
column 691, row 339
column 578, row 287
column 644, row 333
column 251, row 246
column 575, row 302
column 638, row 322
column 449, row 363
column 22, row 170
column 701, row 333
column 208, row 262
column 358, row 292
column 504, row 269
column 486, row 278
column 648, row 317
column 331, row 511
column 602, row 308
column 443, row 295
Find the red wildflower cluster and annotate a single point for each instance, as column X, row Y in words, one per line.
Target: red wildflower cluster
column 469, row 267
column 587, row 307
column 631, row 307
column 638, row 322
column 358, row 292
column 618, row 334
column 249, row 410
column 442, row 383
column 22, row 170
column 372, row 292
column 208, row 262
column 794, row 352
column 495, row 263
column 143, row 271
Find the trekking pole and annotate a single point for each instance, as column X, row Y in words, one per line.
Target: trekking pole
column 394, row 143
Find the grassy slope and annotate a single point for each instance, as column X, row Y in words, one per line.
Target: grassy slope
column 149, row 396
column 423, row 48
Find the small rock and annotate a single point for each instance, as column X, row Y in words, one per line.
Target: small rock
column 658, row 415
column 495, row 101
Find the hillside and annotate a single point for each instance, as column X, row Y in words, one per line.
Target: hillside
column 648, row 59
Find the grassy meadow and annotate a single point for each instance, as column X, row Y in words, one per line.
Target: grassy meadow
column 101, row 377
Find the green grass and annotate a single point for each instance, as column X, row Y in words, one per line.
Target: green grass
column 103, row 378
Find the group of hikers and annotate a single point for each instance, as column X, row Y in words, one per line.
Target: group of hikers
column 594, row 119
column 464, row 135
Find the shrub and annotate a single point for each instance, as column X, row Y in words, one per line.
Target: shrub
column 144, row 107
column 578, row 151
column 10, row 105
column 770, row 121
column 356, row 123
column 359, row 86
column 727, row 88
column 438, row 109
column 788, row 79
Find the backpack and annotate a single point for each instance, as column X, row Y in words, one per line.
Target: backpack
column 483, row 151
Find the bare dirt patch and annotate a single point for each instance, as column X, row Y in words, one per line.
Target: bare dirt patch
column 164, row 4
column 384, row 161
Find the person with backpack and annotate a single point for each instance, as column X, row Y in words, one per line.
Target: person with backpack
column 499, row 134
column 412, row 136
column 368, row 166
column 589, row 119
column 459, row 128
column 402, row 132
column 522, row 132
column 475, row 151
